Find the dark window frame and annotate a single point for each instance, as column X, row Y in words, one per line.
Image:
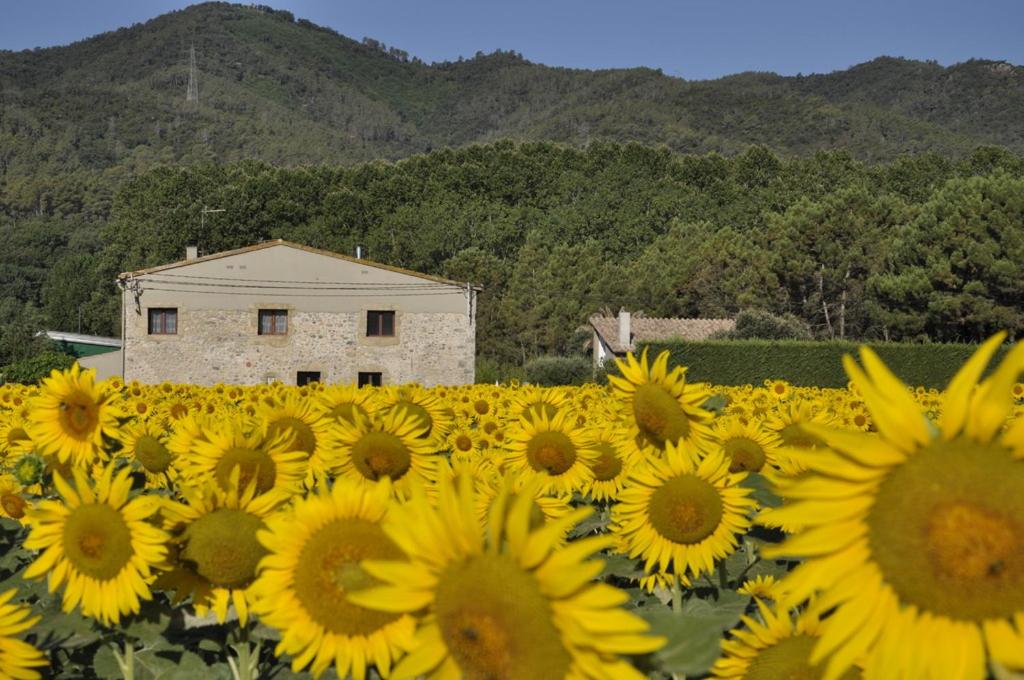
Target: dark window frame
column 379, row 322
column 160, row 316
column 306, row 377
column 369, row 378
column 276, row 316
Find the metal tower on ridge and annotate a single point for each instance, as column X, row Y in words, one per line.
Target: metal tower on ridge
column 192, row 93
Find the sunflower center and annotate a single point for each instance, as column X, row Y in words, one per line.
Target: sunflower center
column 789, row 659
column 658, row 415
column 347, row 411
column 304, row 437
column 97, row 541
column 328, row 569
column 463, row 443
column 15, row 435
column 794, row 435
column 685, row 509
column 947, row 530
column 153, row 455
column 496, row 623
column 607, row 466
column 13, row 505
column 381, row 454
column 746, row 454
column 481, row 407
column 223, row 546
column 79, row 416
column 178, row 410
column 252, row 464
column 551, row 452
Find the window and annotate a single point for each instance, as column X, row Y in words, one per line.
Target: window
column 381, row 324
column 163, row 321
column 372, row 379
column 273, row 322
column 306, row 377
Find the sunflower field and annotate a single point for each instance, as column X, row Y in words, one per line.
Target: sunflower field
column 651, row 528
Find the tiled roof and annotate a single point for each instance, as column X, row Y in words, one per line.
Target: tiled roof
column 643, row 329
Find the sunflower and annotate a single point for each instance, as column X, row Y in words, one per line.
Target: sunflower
column 214, row 534
column 341, row 402
column 748, row 447
column 389, row 445
column 547, row 506
column 530, row 401
column 98, row 543
column 71, row 414
column 501, row 601
column 465, row 442
column 663, row 407
column 237, row 443
column 763, row 586
column 555, row 450
column 17, row 658
column 915, row 536
column 314, row 552
column 431, row 413
column 611, row 468
column 683, row 511
column 776, row 646
column 12, row 502
column 304, row 420
column 14, row 437
column 144, row 444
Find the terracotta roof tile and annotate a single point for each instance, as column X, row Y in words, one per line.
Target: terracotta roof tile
column 645, row 329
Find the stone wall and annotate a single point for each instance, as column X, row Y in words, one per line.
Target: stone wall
column 223, row 346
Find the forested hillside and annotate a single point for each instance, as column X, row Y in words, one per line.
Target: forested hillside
column 638, row 189
column 76, row 120
column 921, row 247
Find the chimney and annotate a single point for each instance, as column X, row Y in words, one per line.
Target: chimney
column 191, row 252
column 625, row 330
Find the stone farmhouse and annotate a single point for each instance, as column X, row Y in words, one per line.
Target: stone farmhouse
column 279, row 311
column 615, row 336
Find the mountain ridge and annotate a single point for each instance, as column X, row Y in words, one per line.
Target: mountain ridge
column 286, row 91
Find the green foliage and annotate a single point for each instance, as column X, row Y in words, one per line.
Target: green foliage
column 32, row 370
column 550, row 370
column 754, row 324
column 741, row 362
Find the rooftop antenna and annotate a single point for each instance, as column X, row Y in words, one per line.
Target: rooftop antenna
column 192, row 92
column 202, row 219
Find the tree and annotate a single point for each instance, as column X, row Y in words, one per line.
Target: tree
column 955, row 272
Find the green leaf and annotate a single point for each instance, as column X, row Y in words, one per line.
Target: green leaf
column 763, row 492
column 694, row 633
column 65, row 630
column 596, row 523
column 621, row 566
column 104, row 663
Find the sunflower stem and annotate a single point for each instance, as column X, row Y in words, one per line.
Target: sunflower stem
column 723, row 576
column 677, row 596
column 126, row 661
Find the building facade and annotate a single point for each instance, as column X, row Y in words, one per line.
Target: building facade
column 279, row 311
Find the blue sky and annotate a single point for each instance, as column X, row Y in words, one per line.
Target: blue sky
column 689, row 38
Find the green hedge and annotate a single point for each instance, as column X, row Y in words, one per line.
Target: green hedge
column 550, row 371
column 807, row 363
